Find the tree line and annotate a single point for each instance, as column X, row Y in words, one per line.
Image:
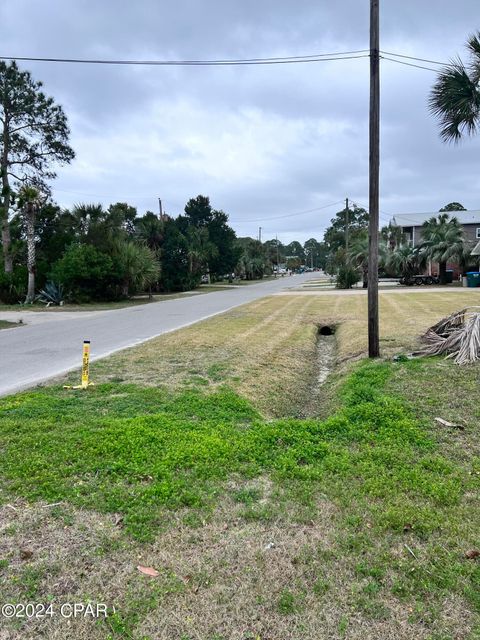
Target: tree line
column 97, row 253
column 94, row 253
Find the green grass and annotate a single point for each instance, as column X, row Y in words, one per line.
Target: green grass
column 138, row 451
column 405, row 491
column 8, row 325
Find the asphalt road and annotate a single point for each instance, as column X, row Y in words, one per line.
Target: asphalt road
column 51, row 343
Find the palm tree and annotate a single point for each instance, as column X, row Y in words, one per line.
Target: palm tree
column 29, row 204
column 442, row 241
column 138, row 266
column 455, row 97
column 86, row 217
column 253, row 260
column 150, row 229
column 465, row 259
column 359, row 252
column 392, row 235
column 405, row 260
column 200, row 249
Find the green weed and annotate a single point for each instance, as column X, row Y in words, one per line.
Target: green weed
column 142, row 451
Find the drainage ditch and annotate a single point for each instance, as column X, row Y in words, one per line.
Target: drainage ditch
column 325, row 363
column 326, row 344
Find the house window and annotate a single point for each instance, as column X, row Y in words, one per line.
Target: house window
column 478, row 233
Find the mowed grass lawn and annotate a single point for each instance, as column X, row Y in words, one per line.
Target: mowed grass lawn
column 266, row 350
column 269, row 509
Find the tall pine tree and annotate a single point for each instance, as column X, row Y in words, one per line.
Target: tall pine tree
column 34, row 137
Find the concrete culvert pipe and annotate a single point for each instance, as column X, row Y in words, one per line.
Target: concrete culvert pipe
column 326, row 330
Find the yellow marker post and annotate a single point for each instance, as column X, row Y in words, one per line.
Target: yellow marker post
column 85, row 363
column 85, row 368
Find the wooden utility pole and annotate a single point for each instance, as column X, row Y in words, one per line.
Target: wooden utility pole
column 347, row 223
column 161, row 208
column 374, row 171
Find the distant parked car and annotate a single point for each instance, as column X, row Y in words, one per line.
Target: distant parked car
column 204, row 279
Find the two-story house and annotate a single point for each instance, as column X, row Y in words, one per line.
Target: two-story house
column 411, row 224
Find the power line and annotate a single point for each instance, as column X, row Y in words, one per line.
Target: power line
column 289, row 215
column 238, row 220
column 320, row 57
column 400, row 55
column 409, row 64
column 382, row 214
column 314, row 57
column 99, row 195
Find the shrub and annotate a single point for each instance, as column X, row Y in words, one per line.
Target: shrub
column 85, row 272
column 347, row 276
column 51, row 294
column 13, row 286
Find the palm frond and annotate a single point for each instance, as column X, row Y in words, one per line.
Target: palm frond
column 473, row 46
column 456, row 336
column 455, row 101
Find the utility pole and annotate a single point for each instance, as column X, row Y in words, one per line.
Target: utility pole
column 259, row 234
column 160, row 207
column 374, row 171
column 347, row 223
column 276, row 242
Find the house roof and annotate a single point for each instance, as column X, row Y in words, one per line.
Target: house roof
column 417, row 219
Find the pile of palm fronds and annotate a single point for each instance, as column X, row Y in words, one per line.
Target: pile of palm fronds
column 457, row 336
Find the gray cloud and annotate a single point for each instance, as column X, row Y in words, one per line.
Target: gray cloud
column 260, row 141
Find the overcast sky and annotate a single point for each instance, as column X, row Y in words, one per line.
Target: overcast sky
column 262, row 142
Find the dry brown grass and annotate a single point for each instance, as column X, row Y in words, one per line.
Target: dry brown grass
column 403, row 317
column 267, row 349
column 228, row 578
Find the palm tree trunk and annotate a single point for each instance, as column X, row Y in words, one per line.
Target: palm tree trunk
column 31, row 258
